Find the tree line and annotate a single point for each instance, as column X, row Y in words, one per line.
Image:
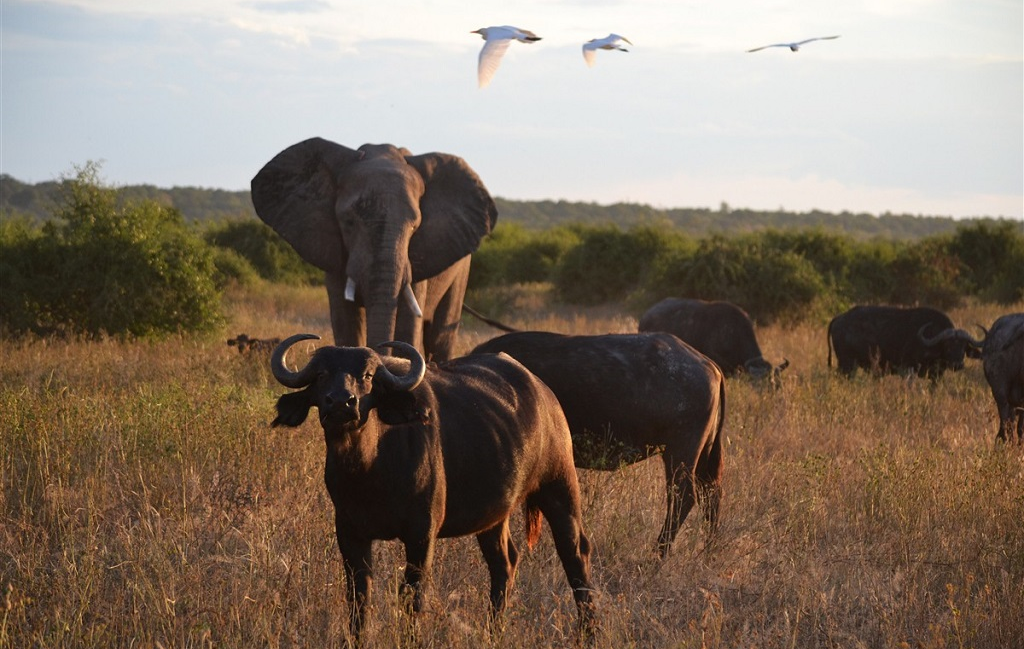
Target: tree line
column 37, row 201
column 106, row 262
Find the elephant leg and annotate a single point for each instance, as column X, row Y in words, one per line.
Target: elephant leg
column 445, row 295
column 348, row 319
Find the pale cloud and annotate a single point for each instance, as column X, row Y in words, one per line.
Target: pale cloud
column 905, row 112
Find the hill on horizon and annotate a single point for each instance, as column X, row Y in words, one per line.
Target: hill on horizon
column 204, row 205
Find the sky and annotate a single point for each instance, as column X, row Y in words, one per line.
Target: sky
column 918, row 107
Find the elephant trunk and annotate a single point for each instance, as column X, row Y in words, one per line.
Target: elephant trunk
column 392, row 312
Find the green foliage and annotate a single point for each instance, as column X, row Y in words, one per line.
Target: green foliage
column 992, row 253
column 785, row 275
column 101, row 265
column 206, row 205
column 768, row 282
column 609, row 264
column 514, row 255
column 270, row 255
column 231, row 268
column 926, row 272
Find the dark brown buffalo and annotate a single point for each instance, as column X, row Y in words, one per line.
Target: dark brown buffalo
column 627, row 396
column 899, row 340
column 417, row 453
column 720, row 330
column 1003, row 360
column 247, row 345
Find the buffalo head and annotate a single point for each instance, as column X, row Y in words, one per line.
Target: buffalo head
column 950, row 346
column 760, row 369
column 344, row 383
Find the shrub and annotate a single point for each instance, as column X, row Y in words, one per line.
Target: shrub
column 514, row 255
column 769, row 283
column 231, row 268
column 270, row 255
column 103, row 266
column 609, row 265
column 926, row 273
column 992, row 254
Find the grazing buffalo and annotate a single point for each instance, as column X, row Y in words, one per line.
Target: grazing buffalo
column 627, row 396
column 247, row 345
column 899, row 340
column 1003, row 360
column 720, row 330
column 417, row 453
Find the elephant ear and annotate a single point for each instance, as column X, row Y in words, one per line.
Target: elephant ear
column 456, row 210
column 295, row 192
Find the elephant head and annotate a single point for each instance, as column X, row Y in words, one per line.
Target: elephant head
column 391, row 230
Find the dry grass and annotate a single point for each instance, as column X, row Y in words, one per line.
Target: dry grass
column 147, row 503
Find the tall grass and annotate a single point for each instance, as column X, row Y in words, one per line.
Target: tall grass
column 147, row 503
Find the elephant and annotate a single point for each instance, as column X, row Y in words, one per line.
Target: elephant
column 393, row 233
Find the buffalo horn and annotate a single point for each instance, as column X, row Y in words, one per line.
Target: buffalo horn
column 410, row 379
column 935, row 340
column 285, row 376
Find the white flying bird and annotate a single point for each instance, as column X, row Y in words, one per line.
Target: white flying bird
column 498, row 40
column 794, row 46
column 609, row 42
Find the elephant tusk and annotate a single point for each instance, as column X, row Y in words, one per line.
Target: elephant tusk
column 350, row 290
column 410, row 298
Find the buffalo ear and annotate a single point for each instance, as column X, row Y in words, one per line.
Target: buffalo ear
column 295, row 192
column 293, row 408
column 457, row 213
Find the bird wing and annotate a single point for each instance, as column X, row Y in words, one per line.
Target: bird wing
column 615, row 37
column 590, row 53
column 816, row 38
column 490, row 58
column 764, row 47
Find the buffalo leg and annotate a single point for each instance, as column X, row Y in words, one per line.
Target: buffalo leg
column 680, row 497
column 501, row 557
column 709, row 483
column 419, row 556
column 357, row 558
column 561, row 508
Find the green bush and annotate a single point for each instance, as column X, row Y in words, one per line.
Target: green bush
column 270, row 255
column 514, row 255
column 102, row 266
column 992, row 254
column 231, row 268
column 768, row 282
column 927, row 273
column 610, row 265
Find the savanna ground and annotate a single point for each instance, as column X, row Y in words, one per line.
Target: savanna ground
column 147, row 503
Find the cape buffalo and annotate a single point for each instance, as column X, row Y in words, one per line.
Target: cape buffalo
column 1003, row 360
column 720, row 330
column 899, row 340
column 247, row 345
column 627, row 396
column 417, row 453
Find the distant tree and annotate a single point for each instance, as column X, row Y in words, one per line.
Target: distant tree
column 270, row 255
column 992, row 254
column 102, row 266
